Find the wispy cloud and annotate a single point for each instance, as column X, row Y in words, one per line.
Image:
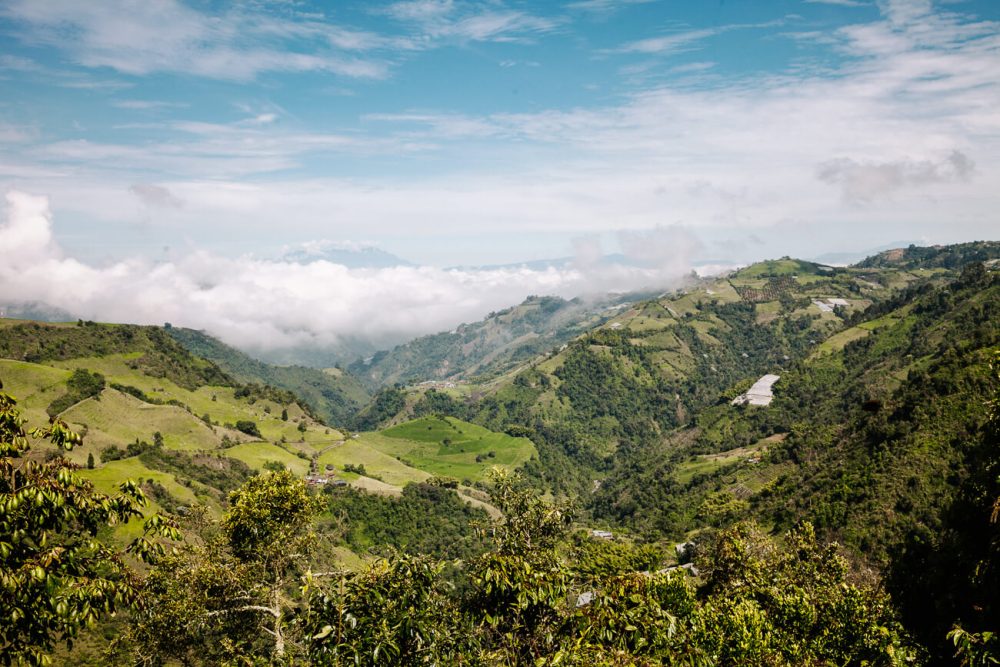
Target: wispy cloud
column 148, row 105
column 445, row 19
column 686, row 40
column 831, row 148
column 604, row 7
column 167, row 36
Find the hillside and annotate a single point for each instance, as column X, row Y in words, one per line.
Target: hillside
column 334, row 394
column 877, row 431
column 651, row 367
column 490, row 347
column 950, row 256
column 151, row 410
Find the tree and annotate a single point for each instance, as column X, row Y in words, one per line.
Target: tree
column 249, row 427
column 55, row 575
column 223, row 596
column 90, row 460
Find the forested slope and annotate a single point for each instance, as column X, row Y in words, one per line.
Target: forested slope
column 496, row 344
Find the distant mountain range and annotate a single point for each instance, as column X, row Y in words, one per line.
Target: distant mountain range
column 351, row 255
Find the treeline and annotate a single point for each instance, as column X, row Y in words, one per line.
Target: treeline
column 161, row 356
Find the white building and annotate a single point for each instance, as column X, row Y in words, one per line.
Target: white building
column 760, row 393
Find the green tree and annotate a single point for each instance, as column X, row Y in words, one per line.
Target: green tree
column 249, row 427
column 56, row 576
column 224, row 596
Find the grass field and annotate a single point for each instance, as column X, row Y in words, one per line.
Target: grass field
column 837, row 341
column 108, row 477
column 34, row 386
column 256, row 454
column 365, row 451
column 711, row 463
column 451, row 446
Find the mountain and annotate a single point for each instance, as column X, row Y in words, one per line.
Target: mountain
column 882, row 430
column 864, row 400
column 500, row 342
column 335, row 394
column 351, row 255
column 34, row 310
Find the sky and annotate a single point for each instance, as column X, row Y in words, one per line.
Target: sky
column 159, row 157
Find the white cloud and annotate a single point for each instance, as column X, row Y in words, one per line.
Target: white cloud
column 255, row 303
column 444, row 19
column 686, row 40
column 735, row 152
column 167, row 36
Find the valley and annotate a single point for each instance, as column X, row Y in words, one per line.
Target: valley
column 643, row 416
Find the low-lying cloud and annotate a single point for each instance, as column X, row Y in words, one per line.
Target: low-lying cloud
column 266, row 304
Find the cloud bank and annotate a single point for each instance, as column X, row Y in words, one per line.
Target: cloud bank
column 265, row 304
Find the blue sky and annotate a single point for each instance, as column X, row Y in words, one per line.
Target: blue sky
column 472, row 133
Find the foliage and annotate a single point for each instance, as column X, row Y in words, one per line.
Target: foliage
column 426, row 519
column 392, row 613
column 221, row 598
column 249, row 427
column 82, row 384
column 56, row 576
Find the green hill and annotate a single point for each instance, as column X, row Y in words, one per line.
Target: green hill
column 653, row 366
column 150, row 409
column 948, row 257
column 334, row 394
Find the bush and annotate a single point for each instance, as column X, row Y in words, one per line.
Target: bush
column 248, row 427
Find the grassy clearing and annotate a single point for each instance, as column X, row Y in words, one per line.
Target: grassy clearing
column 364, row 451
column 450, row 447
column 723, row 291
column 256, row 454
column 707, row 464
column 768, row 311
column 837, row 341
column 118, row 419
column 108, row 477
column 779, row 267
column 34, row 386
